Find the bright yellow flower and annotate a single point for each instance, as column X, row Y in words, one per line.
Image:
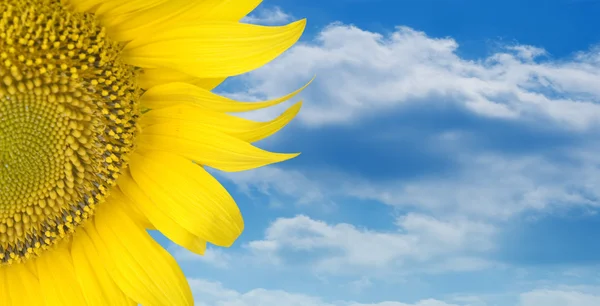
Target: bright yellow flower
column 106, row 122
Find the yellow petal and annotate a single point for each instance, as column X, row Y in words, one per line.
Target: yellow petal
column 4, row 291
column 232, row 10
column 98, row 288
column 207, row 147
column 158, row 216
column 212, row 49
column 175, row 12
column 31, row 267
column 23, row 287
column 58, row 281
column 132, row 211
column 154, row 77
column 182, row 93
column 188, row 195
column 237, row 127
column 138, row 265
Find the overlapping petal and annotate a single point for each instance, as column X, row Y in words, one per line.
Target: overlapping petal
column 182, row 50
column 212, row 49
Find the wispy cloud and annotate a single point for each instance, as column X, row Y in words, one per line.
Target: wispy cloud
column 212, row 256
column 558, row 298
column 490, row 186
column 268, row 16
column 216, row 294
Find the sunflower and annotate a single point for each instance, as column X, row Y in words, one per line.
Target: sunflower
column 107, row 122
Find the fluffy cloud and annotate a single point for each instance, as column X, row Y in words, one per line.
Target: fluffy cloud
column 361, row 73
column 344, row 248
column 215, row 294
column 558, row 298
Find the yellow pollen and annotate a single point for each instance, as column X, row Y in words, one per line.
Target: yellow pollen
column 68, row 112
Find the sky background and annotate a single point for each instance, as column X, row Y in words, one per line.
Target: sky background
column 449, row 157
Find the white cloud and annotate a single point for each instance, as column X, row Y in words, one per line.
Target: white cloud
column 494, row 186
column 558, row 298
column 215, row 294
column 212, row 256
column 428, row 302
column 361, row 73
column 489, row 186
column 268, row 16
column 360, row 285
column 344, row 248
column 273, row 181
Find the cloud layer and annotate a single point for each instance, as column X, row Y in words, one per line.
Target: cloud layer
column 361, row 73
column 215, row 294
column 343, row 248
column 460, row 149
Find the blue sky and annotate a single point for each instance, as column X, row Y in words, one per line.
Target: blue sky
column 449, row 158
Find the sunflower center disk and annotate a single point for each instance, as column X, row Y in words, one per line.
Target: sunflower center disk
column 67, row 122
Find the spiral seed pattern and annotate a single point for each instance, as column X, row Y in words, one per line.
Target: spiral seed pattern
column 68, row 112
